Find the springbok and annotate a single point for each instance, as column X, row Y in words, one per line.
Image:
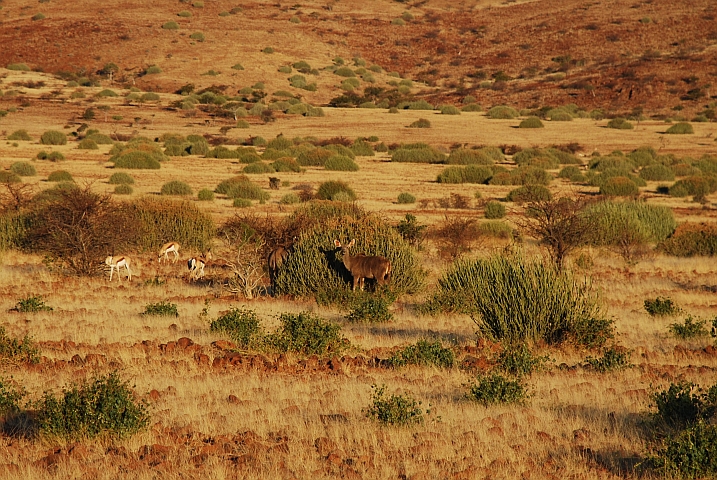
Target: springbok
column 115, row 263
column 166, row 248
column 196, row 265
column 364, row 266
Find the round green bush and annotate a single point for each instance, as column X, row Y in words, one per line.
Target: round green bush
column 9, row 177
column 572, row 173
column 175, row 187
column 121, row 178
column 657, row 172
column 420, row 123
column 19, row 135
column 60, row 176
column 494, row 210
column 329, row 190
column 100, row 139
column 107, row 93
column 198, row 36
column 559, row 115
column 619, row 187
column 341, row 163
column 123, row 190
column 290, row 199
column 531, row 122
column 258, row 167
column 136, row 159
column 314, row 158
column 502, row 112
column 242, row 187
column 153, row 70
column 345, row 72
column 449, row 110
column 171, row 26
column 696, row 185
column 680, row 128
column 620, row 124
column 23, row 169
column 241, row 203
column 87, row 144
column 467, row 156
column 53, row 137
column 205, row 195
column 52, row 156
column 529, row 193
column 467, row 174
column 406, row 198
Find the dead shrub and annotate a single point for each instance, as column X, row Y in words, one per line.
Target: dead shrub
column 455, row 236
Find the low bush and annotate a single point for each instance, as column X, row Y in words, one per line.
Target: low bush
column 417, row 153
column 620, row 124
column 531, row 122
column 19, row 135
column 60, row 176
column 241, row 325
column 449, row 110
column 9, row 177
column 307, row 334
column 691, row 453
column 123, row 190
column 18, row 350
column 467, row 174
column 689, row 328
column 362, row 148
column 341, row 163
column 680, row 128
column 121, row 178
column 136, row 159
column 394, row 410
column 242, row 187
column 198, row 36
column 524, row 175
column 612, row 359
column 682, row 405
column 572, row 173
column 661, row 307
column 692, row 239
column 23, row 169
column 406, row 198
column 494, row 210
column 417, row 105
column 107, row 93
column 616, row 222
column 497, row 389
column 329, row 190
column 87, row 144
column 53, row 137
column 619, row 187
column 370, row 309
column 10, row 397
column 465, row 156
column 529, row 193
column 258, row 167
column 420, row 123
column 205, row 195
column 181, row 220
column 657, row 172
column 170, row 26
column 161, row 309
column 290, row 199
column 314, row 158
column 424, row 353
column 241, row 203
column 517, row 360
column 176, row 187
column 103, row 406
column 697, row 186
column 502, row 112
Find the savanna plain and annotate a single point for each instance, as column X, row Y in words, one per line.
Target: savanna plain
column 540, row 174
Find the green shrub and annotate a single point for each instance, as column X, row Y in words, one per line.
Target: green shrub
column 258, row 167
column 524, row 175
column 465, row 156
column 698, row 186
column 683, row 404
column 241, row 187
column 329, row 190
column 394, row 410
column 619, row 187
column 680, row 128
column 149, row 97
column 181, row 220
column 60, row 176
column 517, row 360
column 171, row 26
column 417, row 153
column 620, row 124
column 123, row 190
column 19, row 135
column 559, row 115
column 314, row 158
column 23, row 169
column 420, row 123
column 370, row 309
column 9, row 177
column 121, row 178
column 514, row 300
column 496, row 229
column 449, row 110
column 87, row 144
column 471, row 107
column 424, row 353
column 496, row 389
column 661, row 306
column 615, row 221
column 176, row 187
column 494, row 210
column 107, row 93
column 241, row 203
column 341, row 163
column 286, row 164
column 18, row 67
column 205, row 195
column 692, row 239
column 161, row 309
column 467, row 174
column 345, row 72
column 198, row 36
column 502, row 112
column 690, row 328
column 572, row 173
column 16, row 350
column 529, row 193
column 10, row 397
column 657, row 172
column 290, row 199
column 362, row 148
column 53, row 137
column 105, row 405
column 153, row 70
column 612, row 359
column 240, row 324
column 531, row 122
column 307, row 334
column 691, row 453
column 406, row 198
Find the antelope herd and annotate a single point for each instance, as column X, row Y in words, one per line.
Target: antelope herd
column 360, row 267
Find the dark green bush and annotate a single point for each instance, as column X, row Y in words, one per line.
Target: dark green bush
column 619, row 187
column 10, row 397
column 9, row 177
column 680, row 128
column 105, row 405
column 657, row 172
column 394, row 410
column 495, row 389
column 32, row 304
column 176, row 187
column 205, row 195
column 23, row 169
column 52, row 156
column 691, row 453
column 53, row 137
column 424, row 353
column 690, row 328
column 691, row 239
column 683, row 404
column 523, row 175
column 370, row 309
column 514, row 300
column 660, row 307
column 240, row 324
column 494, row 210
column 329, row 190
column 517, row 360
column 406, row 198
column 341, row 163
column 161, row 309
column 242, row 187
column 307, row 334
column 60, row 176
column 502, row 112
column 123, row 189
column 121, row 178
column 529, row 193
column 612, row 359
column 620, row 124
column 19, row 135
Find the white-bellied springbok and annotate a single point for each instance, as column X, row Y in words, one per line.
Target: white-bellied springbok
column 115, row 263
column 196, row 265
column 166, row 248
column 364, row 266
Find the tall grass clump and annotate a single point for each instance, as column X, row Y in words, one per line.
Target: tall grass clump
column 466, row 156
column 19, row 135
column 53, row 137
column 316, row 270
column 531, row 122
column 467, row 174
column 241, row 325
column 417, row 153
column 307, row 334
column 620, row 124
column 335, row 190
column 516, row 300
column 406, row 198
column 619, row 187
column 494, row 210
column 121, row 178
column 105, row 405
column 614, row 220
column 680, row 128
column 399, row 410
column 60, row 176
column 182, row 221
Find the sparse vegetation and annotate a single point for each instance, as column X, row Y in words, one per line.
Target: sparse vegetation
column 395, row 409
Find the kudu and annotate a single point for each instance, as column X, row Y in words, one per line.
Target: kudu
column 275, row 260
column 365, row 266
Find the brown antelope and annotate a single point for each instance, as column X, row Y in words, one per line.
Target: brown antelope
column 115, row 263
column 364, row 266
column 275, row 260
column 166, row 248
